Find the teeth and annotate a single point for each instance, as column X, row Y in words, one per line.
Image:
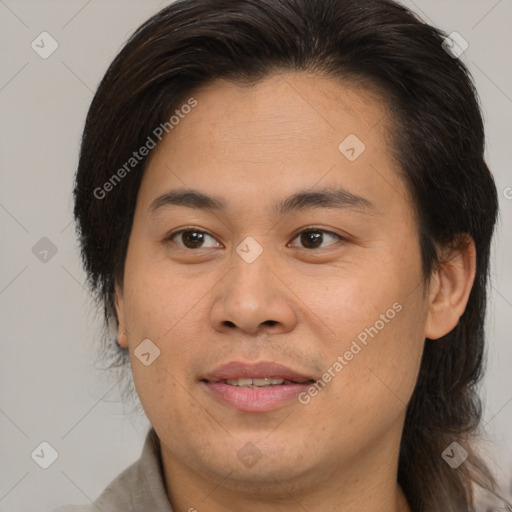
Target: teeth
column 255, row 383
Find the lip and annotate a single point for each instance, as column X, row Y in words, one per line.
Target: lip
column 255, row 399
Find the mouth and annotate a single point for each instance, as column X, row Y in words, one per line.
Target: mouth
column 259, row 387
column 264, row 382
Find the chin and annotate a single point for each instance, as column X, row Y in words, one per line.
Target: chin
column 251, row 463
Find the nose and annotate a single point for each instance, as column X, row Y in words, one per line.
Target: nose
column 254, row 298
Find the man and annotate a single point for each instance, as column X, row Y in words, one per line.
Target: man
column 285, row 208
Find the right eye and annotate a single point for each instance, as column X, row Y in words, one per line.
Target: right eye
column 191, row 239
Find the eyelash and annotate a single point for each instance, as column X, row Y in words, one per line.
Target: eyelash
column 313, row 229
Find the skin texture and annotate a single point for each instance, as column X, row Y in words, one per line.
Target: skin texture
column 203, row 307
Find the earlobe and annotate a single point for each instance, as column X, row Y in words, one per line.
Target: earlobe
column 449, row 288
column 122, row 336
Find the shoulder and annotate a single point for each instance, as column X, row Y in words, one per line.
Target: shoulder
column 117, row 496
column 139, row 487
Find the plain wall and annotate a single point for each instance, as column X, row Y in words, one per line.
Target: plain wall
column 49, row 388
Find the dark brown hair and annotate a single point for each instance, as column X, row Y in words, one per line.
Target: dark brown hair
column 438, row 142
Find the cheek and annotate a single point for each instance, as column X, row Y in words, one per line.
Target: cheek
column 169, row 319
column 161, row 306
column 159, row 298
column 168, row 405
column 380, row 367
column 352, row 303
column 378, row 317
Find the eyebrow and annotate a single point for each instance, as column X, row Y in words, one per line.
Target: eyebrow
column 329, row 198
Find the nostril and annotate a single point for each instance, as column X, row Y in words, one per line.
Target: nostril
column 270, row 322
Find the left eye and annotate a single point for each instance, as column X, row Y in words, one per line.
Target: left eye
column 314, row 238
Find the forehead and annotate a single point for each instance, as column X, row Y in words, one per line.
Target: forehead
column 285, row 111
column 260, row 142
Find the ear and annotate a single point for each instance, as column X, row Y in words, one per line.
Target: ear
column 449, row 288
column 122, row 338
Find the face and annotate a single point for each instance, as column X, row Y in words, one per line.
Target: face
column 301, row 272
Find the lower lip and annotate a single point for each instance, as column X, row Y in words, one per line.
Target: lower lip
column 256, row 399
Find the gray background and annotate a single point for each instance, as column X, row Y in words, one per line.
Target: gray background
column 49, row 388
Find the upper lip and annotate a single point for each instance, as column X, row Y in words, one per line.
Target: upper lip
column 259, row 370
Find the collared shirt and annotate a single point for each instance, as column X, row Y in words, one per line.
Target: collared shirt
column 139, row 488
